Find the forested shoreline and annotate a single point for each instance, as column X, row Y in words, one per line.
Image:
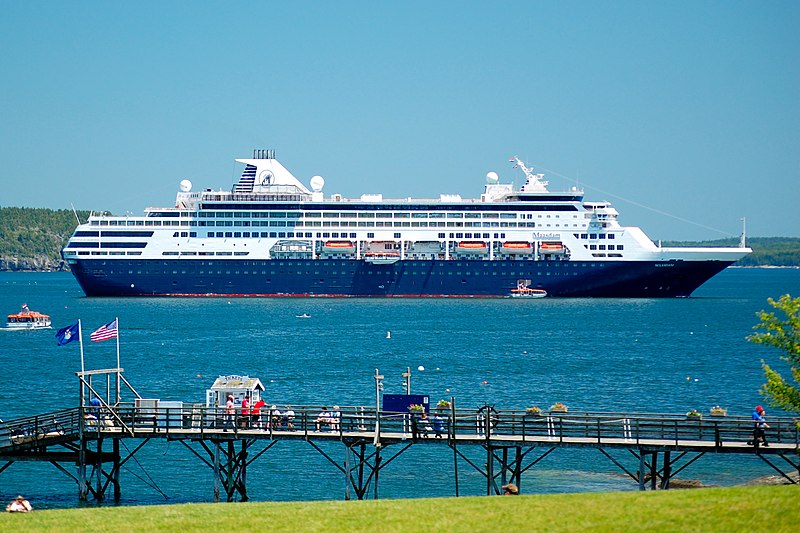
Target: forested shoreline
column 31, row 240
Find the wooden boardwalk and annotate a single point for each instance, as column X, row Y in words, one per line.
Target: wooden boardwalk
column 513, row 441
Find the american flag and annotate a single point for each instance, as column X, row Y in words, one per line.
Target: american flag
column 105, row 332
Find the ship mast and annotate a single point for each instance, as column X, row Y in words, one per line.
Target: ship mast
column 534, row 182
column 743, row 237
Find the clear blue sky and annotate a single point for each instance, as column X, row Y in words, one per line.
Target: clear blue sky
column 675, row 111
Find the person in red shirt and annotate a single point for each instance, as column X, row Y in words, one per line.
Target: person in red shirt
column 245, row 422
column 256, row 412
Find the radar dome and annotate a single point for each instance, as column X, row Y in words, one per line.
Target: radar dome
column 317, row 183
column 492, row 178
column 186, row 185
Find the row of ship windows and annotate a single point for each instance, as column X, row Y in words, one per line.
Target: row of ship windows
column 323, row 235
column 292, row 224
column 208, row 204
column 594, row 236
column 603, row 247
column 330, row 224
column 493, row 265
column 350, row 272
column 108, row 253
column 511, row 216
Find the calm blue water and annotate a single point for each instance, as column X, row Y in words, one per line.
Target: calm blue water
column 592, row 354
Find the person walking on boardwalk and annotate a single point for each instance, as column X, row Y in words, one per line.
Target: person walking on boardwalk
column 230, row 412
column 760, row 427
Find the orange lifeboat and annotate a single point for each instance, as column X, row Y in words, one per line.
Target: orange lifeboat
column 552, row 248
column 339, row 244
column 517, row 247
column 472, row 245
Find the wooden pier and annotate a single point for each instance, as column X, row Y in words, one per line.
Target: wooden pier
column 650, row 448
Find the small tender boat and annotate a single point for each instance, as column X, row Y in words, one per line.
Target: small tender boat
column 382, row 258
column 27, row 319
column 527, row 292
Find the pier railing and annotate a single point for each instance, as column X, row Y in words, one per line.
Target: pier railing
column 32, row 431
column 356, row 421
column 472, row 424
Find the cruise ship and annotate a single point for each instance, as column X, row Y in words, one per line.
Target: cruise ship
column 273, row 236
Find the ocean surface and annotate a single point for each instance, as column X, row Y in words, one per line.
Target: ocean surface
column 637, row 355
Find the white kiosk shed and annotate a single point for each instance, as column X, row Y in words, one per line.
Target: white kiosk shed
column 237, row 386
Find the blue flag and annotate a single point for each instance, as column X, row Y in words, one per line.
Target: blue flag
column 67, row 334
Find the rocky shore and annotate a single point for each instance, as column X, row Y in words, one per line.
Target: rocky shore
column 41, row 263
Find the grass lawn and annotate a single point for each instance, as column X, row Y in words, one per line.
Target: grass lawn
column 770, row 509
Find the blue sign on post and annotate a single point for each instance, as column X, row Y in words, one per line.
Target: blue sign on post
column 399, row 403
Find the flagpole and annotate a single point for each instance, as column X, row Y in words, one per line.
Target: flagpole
column 80, row 340
column 118, row 333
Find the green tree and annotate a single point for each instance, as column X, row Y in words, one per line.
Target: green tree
column 783, row 334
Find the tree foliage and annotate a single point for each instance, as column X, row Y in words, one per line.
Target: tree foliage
column 783, row 334
column 35, row 235
column 767, row 251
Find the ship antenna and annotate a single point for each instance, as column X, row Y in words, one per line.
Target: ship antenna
column 743, row 238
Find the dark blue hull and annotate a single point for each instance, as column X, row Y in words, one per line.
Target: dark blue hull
column 343, row 278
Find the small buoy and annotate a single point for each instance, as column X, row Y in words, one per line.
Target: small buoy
column 198, row 375
column 524, row 352
column 421, row 368
column 388, row 334
column 229, row 302
column 696, row 379
column 688, row 378
column 484, row 382
column 447, row 390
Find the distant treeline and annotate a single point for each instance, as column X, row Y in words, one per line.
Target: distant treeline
column 32, row 239
column 767, row 251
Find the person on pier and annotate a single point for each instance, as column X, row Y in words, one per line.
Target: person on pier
column 245, row 421
column 760, row 427
column 276, row 417
column 255, row 413
column 230, row 413
column 288, row 418
column 336, row 416
column 438, row 425
column 324, row 417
